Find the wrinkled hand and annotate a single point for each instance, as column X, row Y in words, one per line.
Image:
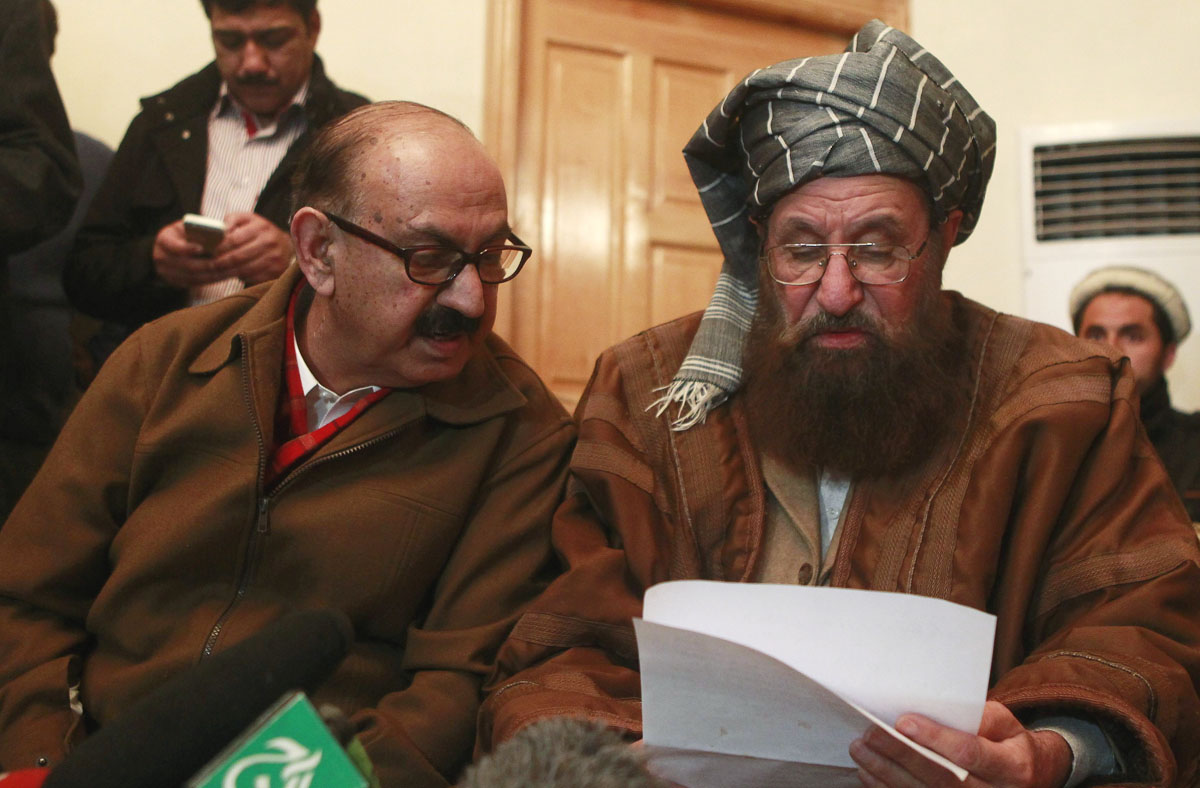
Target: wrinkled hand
column 253, row 249
column 180, row 262
column 1003, row 754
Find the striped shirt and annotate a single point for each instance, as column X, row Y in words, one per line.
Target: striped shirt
column 243, row 151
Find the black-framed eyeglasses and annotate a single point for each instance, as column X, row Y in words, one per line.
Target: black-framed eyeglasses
column 435, row 265
column 871, row 264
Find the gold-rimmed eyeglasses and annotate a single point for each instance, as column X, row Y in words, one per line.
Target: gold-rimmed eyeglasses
column 434, row 265
column 871, row 264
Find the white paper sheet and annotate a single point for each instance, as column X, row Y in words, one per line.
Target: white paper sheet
column 795, row 673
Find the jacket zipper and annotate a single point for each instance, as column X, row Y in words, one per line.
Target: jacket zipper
column 262, row 524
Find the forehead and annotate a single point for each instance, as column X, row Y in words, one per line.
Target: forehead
column 827, row 204
column 257, row 18
column 435, row 178
column 1118, row 309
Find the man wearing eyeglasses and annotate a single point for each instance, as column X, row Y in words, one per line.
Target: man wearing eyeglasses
column 351, row 436
column 834, row 417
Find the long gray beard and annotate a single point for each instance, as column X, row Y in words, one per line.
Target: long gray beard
column 873, row 411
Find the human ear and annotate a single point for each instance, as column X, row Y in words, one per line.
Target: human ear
column 949, row 228
column 947, row 233
column 760, row 226
column 1168, row 357
column 311, row 234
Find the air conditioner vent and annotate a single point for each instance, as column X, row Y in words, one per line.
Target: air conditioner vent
column 1117, row 187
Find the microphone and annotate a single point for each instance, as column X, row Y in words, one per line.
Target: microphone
column 562, row 752
column 170, row 734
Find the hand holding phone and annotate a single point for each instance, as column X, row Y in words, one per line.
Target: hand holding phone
column 204, row 231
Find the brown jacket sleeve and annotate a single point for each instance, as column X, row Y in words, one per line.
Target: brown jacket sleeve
column 422, row 735
column 574, row 651
column 1111, row 630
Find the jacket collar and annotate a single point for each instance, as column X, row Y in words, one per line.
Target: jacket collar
column 1156, row 409
column 480, row 392
column 197, row 94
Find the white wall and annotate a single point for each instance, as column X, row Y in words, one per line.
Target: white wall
column 1036, row 62
column 1026, row 61
column 111, row 54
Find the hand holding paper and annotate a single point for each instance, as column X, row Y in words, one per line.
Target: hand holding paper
column 1004, row 753
column 741, row 678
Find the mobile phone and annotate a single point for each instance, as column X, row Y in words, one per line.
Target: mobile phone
column 203, row 230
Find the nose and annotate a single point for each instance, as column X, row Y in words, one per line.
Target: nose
column 254, row 58
column 464, row 292
column 838, row 292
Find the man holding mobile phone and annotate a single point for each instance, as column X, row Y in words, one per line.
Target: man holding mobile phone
column 222, row 143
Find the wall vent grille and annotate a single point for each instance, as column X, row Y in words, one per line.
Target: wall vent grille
column 1117, row 188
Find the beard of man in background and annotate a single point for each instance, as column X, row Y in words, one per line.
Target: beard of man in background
column 871, row 411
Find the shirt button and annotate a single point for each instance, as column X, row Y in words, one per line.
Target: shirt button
column 805, row 575
column 186, row 134
column 43, row 760
column 170, row 116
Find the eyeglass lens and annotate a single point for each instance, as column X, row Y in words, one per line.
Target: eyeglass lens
column 434, row 266
column 802, row 264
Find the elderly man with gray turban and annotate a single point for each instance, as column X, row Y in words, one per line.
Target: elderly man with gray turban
column 834, row 417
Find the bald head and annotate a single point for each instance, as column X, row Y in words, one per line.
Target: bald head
column 328, row 175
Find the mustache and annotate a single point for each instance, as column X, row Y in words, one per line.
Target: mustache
column 256, row 80
column 441, row 321
column 823, row 323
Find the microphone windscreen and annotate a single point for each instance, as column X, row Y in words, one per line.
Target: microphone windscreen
column 167, row 736
column 562, row 752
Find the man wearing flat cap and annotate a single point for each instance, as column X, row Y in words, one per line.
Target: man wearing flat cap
column 835, row 418
column 1144, row 317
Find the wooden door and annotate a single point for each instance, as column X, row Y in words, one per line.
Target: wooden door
column 591, row 103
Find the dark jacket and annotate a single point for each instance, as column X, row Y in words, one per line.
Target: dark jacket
column 41, row 371
column 156, row 177
column 39, row 175
column 1176, row 437
column 147, row 541
column 1049, row 510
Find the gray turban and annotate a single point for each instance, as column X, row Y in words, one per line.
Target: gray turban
column 885, row 106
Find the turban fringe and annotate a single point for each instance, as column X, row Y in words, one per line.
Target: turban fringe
column 884, row 106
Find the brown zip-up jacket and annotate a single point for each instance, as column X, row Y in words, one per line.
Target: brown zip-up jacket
column 1048, row 509
column 147, row 540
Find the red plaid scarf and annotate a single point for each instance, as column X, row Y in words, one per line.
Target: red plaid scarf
column 293, row 440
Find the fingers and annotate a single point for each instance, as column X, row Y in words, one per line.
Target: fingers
column 1004, row 754
column 884, row 760
column 189, row 271
column 254, row 250
column 998, row 722
column 963, row 749
column 180, row 262
column 172, row 241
